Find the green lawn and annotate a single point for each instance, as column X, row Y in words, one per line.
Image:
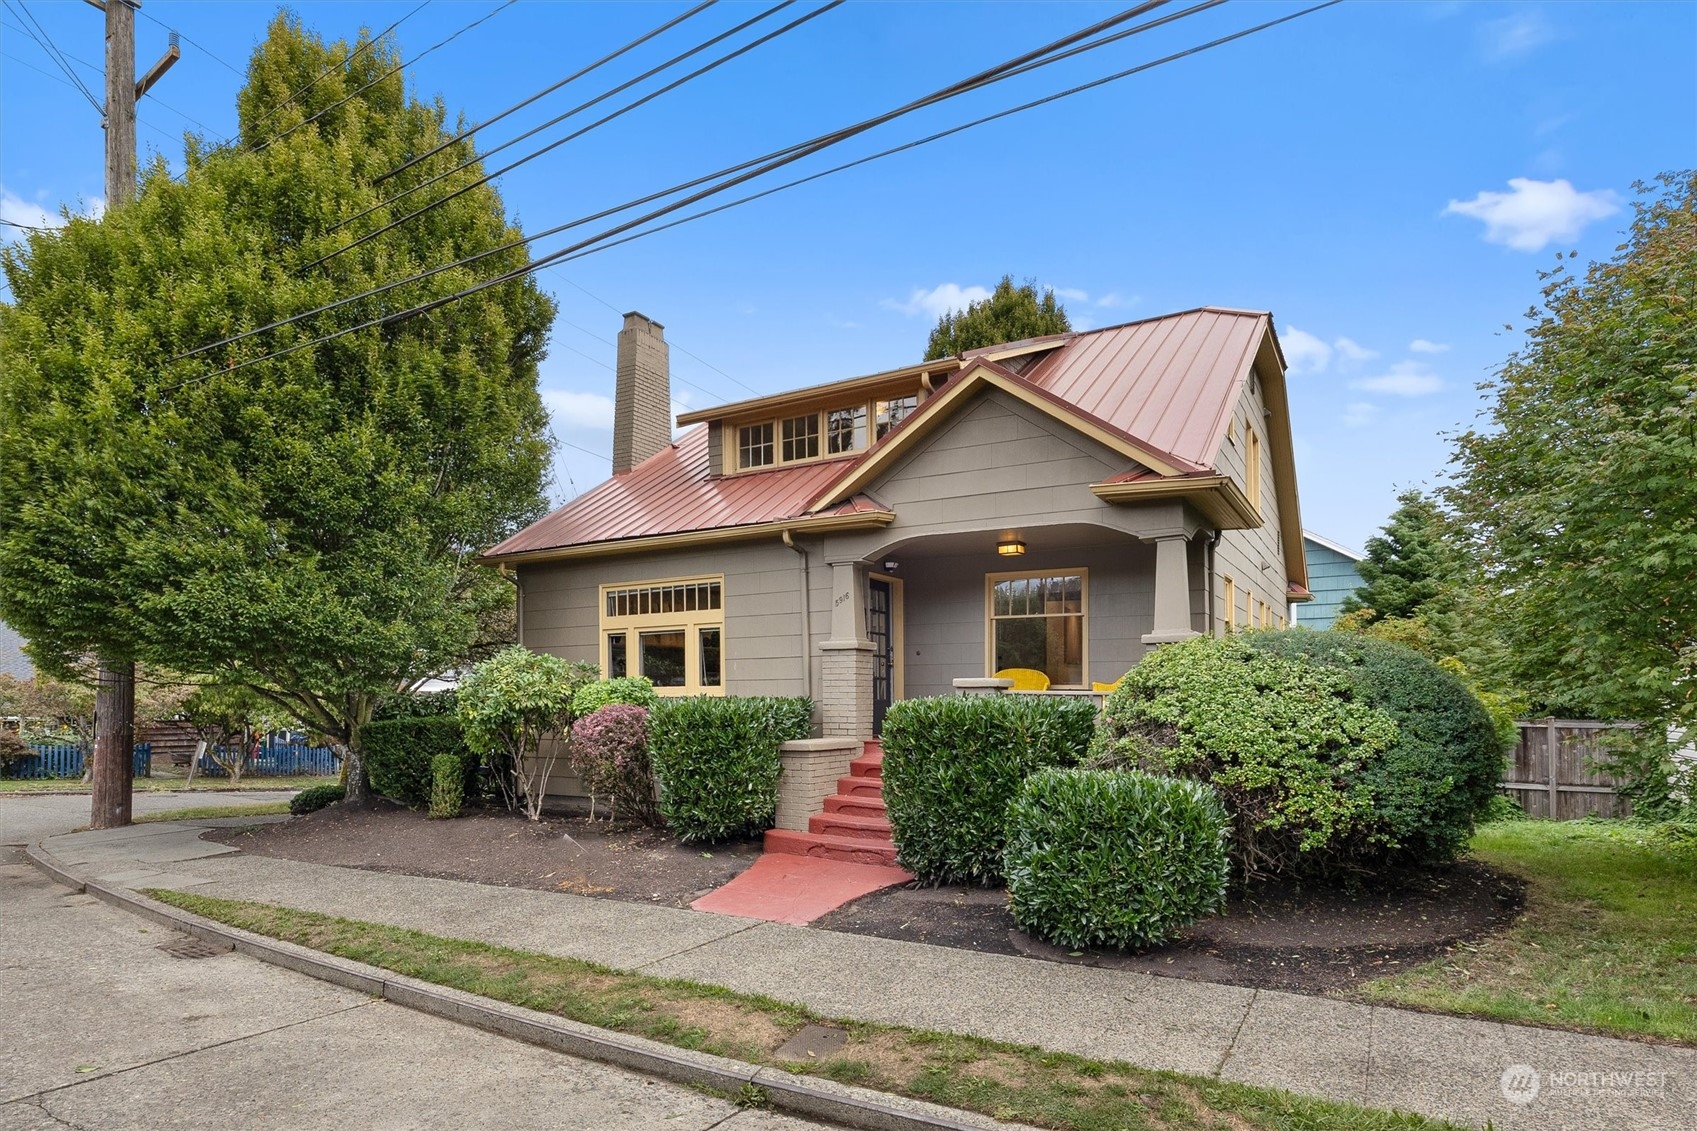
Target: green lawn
column 1608, row 942
column 1011, row 1082
column 208, row 812
column 164, row 783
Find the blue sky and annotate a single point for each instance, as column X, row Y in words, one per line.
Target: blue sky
column 1387, row 178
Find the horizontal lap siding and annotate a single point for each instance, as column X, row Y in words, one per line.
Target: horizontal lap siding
column 1331, row 577
column 1240, row 553
column 762, row 605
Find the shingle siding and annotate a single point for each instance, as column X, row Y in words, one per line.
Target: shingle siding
column 1331, row 577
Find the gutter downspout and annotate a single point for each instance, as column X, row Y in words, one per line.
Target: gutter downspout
column 1213, row 541
column 806, row 616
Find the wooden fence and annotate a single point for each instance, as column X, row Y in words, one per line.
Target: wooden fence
column 66, row 761
column 1551, row 774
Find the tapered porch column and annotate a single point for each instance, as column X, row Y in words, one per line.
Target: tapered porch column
column 1172, row 590
column 845, row 662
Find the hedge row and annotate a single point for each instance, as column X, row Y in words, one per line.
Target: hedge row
column 716, row 760
column 399, row 753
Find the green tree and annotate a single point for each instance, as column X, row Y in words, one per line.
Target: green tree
column 304, row 526
column 1580, row 492
column 1010, row 314
column 1408, row 566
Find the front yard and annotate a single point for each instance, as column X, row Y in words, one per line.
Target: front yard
column 1608, row 941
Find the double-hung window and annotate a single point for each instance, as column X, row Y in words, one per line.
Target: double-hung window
column 1037, row 621
column 672, row 632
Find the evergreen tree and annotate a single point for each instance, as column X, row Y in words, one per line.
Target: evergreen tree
column 1010, row 314
column 303, row 526
column 1409, row 565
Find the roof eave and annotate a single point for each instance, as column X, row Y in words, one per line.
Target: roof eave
column 1218, row 497
column 802, row 524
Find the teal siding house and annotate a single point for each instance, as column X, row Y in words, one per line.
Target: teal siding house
column 1332, row 576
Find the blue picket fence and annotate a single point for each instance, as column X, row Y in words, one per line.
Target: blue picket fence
column 278, row 757
column 66, row 761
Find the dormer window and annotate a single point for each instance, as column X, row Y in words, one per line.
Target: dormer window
column 846, row 429
column 801, row 437
column 754, row 445
column 892, row 412
column 839, row 430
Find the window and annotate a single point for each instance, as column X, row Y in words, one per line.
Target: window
column 670, row 631
column 1252, row 465
column 845, row 429
column 892, row 412
column 801, row 437
column 1037, row 621
column 754, row 445
column 1228, row 597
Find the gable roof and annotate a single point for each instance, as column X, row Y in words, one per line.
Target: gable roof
column 1335, row 547
column 1160, row 391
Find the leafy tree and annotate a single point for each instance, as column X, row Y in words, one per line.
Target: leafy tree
column 516, row 711
column 1408, row 566
column 1010, row 314
column 305, row 525
column 1579, row 492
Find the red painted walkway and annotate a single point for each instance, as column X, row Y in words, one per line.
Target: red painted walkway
column 785, row 888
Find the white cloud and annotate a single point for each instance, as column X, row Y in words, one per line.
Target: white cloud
column 578, row 410
column 1534, row 213
column 1421, row 345
column 1072, row 294
column 1515, row 36
column 939, row 300
column 1406, row 379
column 1359, row 414
column 15, row 210
column 1113, row 300
column 1350, row 351
column 1305, row 352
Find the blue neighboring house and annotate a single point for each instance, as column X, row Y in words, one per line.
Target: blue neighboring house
column 1332, row 576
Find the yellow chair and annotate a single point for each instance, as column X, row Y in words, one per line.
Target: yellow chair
column 1025, row 679
column 1106, row 688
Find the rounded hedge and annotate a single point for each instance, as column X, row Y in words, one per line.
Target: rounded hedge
column 1333, row 753
column 952, row 764
column 716, row 761
column 631, row 690
column 314, row 798
column 1114, row 858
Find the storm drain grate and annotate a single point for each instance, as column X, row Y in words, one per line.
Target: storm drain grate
column 190, row 947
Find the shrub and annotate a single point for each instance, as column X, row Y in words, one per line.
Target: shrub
column 418, row 705
column 400, row 755
column 634, row 690
column 1448, row 758
column 315, row 798
column 516, row 708
column 447, row 786
column 1282, row 740
column 1114, row 858
column 13, row 751
column 716, row 760
column 953, row 763
column 609, row 751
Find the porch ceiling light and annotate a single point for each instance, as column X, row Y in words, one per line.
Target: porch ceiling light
column 1012, row 548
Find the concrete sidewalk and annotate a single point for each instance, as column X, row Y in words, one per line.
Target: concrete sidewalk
column 1447, row 1067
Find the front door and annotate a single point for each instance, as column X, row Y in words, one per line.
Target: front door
column 881, row 630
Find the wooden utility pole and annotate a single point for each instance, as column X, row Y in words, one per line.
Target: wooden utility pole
column 115, row 693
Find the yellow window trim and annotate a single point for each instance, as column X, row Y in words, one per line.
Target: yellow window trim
column 689, row 622
column 990, row 580
column 731, row 453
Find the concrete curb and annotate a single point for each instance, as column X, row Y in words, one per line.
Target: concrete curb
column 806, row 1096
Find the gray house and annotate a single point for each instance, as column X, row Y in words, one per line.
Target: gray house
column 1056, row 506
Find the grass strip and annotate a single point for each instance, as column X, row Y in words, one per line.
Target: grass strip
column 1607, row 943
column 161, row 783
column 208, row 812
column 1011, row 1082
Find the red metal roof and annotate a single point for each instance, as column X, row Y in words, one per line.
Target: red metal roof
column 671, row 493
column 1169, row 383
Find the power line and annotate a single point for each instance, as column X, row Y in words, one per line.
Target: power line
column 509, row 167
column 486, row 154
column 385, row 75
column 773, row 160
column 97, row 69
column 62, row 82
column 45, row 42
column 573, row 77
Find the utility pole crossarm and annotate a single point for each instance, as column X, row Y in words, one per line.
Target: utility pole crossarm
column 157, row 71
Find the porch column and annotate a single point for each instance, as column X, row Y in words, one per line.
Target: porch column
column 845, row 662
column 1172, row 590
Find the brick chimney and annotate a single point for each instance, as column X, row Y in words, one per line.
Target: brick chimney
column 642, row 397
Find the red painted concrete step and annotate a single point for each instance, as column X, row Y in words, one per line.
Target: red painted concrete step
column 860, row 806
column 851, row 850
column 860, row 787
column 796, row 889
column 849, row 825
column 867, row 767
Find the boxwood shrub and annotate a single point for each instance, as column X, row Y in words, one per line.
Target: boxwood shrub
column 716, row 760
column 1115, row 858
column 399, row 753
column 447, row 786
column 314, row 798
column 953, row 763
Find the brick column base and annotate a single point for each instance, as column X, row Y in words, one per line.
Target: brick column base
column 845, row 688
column 811, row 769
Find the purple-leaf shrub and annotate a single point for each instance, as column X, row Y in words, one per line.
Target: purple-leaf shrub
column 609, row 751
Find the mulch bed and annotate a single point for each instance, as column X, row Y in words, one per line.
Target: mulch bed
column 1308, row 940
